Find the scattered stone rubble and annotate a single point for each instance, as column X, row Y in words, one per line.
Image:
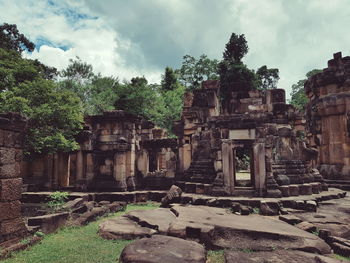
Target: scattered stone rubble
column 125, row 159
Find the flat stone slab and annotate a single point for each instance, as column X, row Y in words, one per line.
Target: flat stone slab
column 137, row 224
column 123, row 228
column 163, row 249
column 278, row 256
column 218, row 227
column 332, row 215
column 214, row 227
column 159, row 219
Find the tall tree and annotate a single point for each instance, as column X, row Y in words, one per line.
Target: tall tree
column 136, row 97
column 12, row 39
column 298, row 97
column 234, row 75
column 236, row 48
column 55, row 115
column 169, row 79
column 97, row 93
column 267, row 77
column 193, row 71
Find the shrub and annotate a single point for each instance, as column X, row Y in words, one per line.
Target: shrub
column 57, row 200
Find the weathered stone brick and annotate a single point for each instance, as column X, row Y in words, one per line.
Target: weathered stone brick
column 9, row 138
column 10, row 210
column 9, row 170
column 7, row 155
column 10, row 189
column 12, row 226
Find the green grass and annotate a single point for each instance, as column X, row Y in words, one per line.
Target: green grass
column 216, row 256
column 76, row 245
column 341, row 257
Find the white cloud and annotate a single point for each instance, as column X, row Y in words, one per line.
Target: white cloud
column 141, row 37
column 89, row 38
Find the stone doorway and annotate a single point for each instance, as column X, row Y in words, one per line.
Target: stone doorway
column 243, row 163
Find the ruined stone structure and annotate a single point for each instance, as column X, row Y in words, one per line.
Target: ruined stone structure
column 260, row 123
column 328, row 117
column 118, row 152
column 12, row 226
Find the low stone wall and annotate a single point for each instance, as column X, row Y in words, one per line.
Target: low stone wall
column 12, row 226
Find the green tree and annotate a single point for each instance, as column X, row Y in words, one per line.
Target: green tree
column 77, row 77
column 267, row 77
column 97, row 93
column 193, row 71
column 170, row 108
column 12, row 39
column 170, row 101
column 236, row 48
column 136, row 97
column 104, row 93
column 298, row 97
column 169, row 80
column 55, row 116
column 234, row 75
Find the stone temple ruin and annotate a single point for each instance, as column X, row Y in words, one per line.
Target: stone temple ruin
column 261, row 123
column 328, row 118
column 123, row 152
column 244, row 143
column 118, row 152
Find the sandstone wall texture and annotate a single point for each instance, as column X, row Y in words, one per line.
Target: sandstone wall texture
column 11, row 223
column 328, row 117
column 211, row 135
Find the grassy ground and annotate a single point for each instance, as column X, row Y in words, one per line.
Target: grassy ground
column 83, row 245
column 75, row 245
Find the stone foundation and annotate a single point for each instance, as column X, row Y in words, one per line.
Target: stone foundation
column 12, row 227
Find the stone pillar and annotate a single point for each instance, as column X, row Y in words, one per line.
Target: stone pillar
column 12, row 227
column 80, row 166
column 259, row 167
column 80, row 171
column 228, row 167
column 119, row 172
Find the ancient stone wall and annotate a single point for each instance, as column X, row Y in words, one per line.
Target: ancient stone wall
column 328, row 117
column 118, row 152
column 254, row 121
column 11, row 223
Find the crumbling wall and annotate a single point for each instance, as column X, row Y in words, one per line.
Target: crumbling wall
column 12, row 226
column 257, row 121
column 328, row 121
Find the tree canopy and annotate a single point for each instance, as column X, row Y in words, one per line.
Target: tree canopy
column 236, row 48
column 55, row 116
column 11, row 39
column 193, row 71
column 298, row 97
column 267, row 77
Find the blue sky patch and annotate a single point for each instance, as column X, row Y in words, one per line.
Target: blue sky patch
column 43, row 41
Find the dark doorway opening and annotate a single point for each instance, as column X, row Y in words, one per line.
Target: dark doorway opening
column 243, row 163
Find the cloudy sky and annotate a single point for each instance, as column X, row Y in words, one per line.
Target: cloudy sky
column 127, row 38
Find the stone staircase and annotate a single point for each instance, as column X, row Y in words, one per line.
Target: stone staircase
column 294, row 178
column 296, row 171
column 201, row 171
column 340, row 184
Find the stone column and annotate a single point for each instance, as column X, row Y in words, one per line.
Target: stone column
column 119, row 172
column 259, row 167
column 12, row 227
column 228, row 166
column 80, row 169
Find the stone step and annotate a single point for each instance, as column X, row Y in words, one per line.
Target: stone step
column 331, row 181
column 33, row 229
column 204, row 171
column 345, row 187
